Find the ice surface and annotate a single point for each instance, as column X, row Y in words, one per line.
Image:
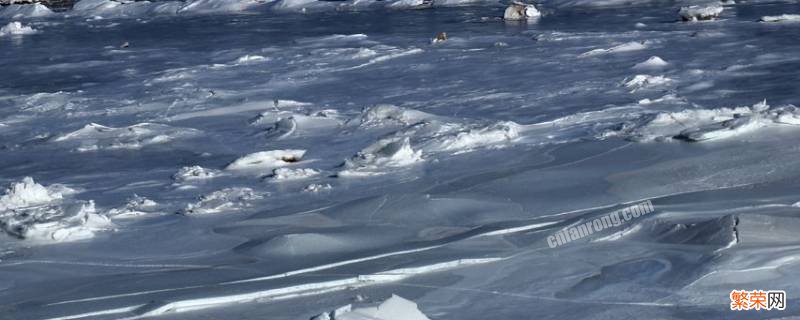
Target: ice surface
column 334, row 157
column 782, row 18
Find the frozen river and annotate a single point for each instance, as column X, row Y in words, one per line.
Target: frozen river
column 272, row 164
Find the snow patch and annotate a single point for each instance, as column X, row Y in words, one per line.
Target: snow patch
column 394, row 308
column 29, row 210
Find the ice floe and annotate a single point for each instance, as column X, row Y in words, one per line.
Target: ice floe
column 16, row 28
column 267, row 160
column 380, row 156
column 394, row 308
column 228, row 199
column 781, row 18
column 625, row 47
column 695, row 125
column 31, row 211
column 293, row 174
column 700, row 12
column 195, row 173
column 136, row 206
column 316, row 187
column 93, row 137
column 521, row 11
column 643, row 81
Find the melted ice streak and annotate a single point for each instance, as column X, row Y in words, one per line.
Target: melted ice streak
column 228, row 199
column 94, row 137
column 29, row 210
column 705, row 124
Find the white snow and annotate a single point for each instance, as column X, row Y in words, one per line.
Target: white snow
column 16, row 28
column 267, row 160
column 394, row 308
column 701, row 12
column 782, row 18
column 34, row 212
column 652, row 63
